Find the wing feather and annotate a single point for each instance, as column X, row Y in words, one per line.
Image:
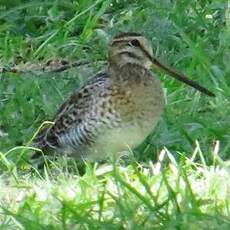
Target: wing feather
column 80, row 119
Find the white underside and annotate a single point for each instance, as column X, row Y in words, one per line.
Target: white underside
column 116, row 142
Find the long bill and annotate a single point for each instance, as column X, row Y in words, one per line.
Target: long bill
column 181, row 77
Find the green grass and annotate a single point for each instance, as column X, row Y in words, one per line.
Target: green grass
column 188, row 188
column 188, row 195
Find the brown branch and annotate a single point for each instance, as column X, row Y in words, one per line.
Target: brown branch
column 48, row 67
column 68, row 66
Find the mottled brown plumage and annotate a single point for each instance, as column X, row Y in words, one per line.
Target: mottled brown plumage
column 115, row 110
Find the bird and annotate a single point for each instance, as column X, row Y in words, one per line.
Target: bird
column 115, row 110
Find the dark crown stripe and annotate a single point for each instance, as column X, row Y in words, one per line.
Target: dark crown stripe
column 128, row 34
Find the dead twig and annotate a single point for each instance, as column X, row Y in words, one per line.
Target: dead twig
column 47, row 67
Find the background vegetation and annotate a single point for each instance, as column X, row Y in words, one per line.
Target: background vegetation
column 188, row 187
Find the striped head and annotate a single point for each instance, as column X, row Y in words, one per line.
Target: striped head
column 135, row 48
column 130, row 48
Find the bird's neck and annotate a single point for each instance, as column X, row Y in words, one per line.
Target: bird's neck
column 119, row 61
column 130, row 72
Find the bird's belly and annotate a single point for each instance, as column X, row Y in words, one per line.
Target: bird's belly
column 111, row 141
column 114, row 142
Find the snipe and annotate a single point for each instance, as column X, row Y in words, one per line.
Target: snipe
column 115, row 110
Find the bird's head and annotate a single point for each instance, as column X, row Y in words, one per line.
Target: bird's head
column 135, row 48
column 130, row 48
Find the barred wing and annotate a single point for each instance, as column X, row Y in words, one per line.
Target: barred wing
column 82, row 116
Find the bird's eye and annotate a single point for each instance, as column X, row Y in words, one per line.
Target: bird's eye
column 135, row 43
